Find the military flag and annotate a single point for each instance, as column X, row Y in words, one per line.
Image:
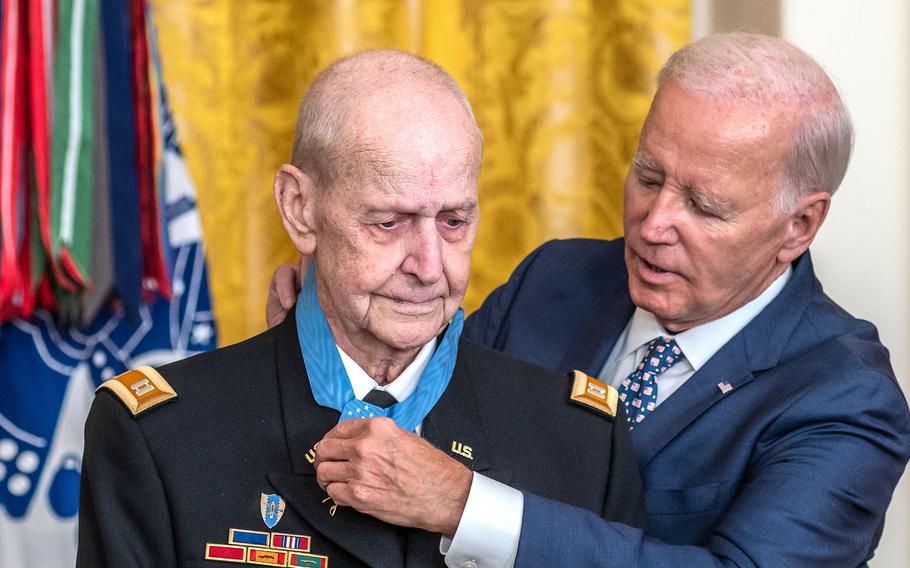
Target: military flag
column 102, row 266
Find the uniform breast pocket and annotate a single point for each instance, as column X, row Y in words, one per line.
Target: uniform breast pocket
column 683, row 501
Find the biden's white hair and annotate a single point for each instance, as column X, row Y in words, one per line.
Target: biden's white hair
column 750, row 68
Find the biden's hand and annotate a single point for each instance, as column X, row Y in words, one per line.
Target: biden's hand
column 286, row 282
column 379, row 469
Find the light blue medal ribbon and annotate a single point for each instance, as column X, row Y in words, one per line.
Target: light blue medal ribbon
column 329, row 381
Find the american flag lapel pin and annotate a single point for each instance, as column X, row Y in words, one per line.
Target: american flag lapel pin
column 724, row 387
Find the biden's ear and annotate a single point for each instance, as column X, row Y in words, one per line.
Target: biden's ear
column 295, row 197
column 803, row 224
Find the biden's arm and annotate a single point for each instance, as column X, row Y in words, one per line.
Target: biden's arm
column 123, row 514
column 816, row 494
column 487, row 325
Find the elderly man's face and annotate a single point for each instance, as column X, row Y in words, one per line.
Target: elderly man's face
column 395, row 234
column 702, row 230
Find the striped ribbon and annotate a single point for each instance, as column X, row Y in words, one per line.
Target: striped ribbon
column 13, row 189
column 72, row 160
column 121, row 135
column 154, row 270
column 71, row 193
column 41, row 49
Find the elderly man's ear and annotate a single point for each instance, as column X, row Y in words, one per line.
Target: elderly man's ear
column 804, row 222
column 294, row 194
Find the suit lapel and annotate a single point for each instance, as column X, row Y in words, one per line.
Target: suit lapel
column 591, row 345
column 372, row 541
column 691, row 400
column 759, row 346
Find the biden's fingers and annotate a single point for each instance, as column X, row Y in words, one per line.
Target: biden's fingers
column 282, row 294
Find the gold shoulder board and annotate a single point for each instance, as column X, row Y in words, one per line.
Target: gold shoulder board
column 140, row 389
column 593, row 394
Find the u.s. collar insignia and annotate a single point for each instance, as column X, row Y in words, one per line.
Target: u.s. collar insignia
column 272, row 508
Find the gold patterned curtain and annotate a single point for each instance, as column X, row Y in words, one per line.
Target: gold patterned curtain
column 559, row 87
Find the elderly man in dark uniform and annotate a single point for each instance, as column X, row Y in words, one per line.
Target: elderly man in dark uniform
column 211, row 459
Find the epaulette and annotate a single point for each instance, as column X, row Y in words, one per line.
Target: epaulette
column 594, row 395
column 140, row 389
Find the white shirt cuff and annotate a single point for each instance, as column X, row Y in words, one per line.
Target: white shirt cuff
column 487, row 536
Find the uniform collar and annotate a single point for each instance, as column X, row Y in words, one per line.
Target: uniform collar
column 401, row 388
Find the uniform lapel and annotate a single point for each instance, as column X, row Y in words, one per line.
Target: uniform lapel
column 305, row 422
column 372, row 541
column 454, row 427
column 423, row 549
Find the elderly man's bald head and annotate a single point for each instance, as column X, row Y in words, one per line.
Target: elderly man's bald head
column 325, row 119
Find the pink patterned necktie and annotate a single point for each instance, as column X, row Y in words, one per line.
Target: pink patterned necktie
column 638, row 391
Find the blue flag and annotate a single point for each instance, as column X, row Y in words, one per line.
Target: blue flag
column 48, row 375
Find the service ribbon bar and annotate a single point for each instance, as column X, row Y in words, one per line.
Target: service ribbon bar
column 264, row 548
column 290, row 541
column 267, row 556
column 225, row 553
column 256, row 538
column 308, row 560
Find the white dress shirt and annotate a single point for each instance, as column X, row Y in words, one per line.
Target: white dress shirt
column 484, row 525
column 494, row 541
column 402, row 387
column 698, row 344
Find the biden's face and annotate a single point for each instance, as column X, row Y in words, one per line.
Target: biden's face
column 702, row 228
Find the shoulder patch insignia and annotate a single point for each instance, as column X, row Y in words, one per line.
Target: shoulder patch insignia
column 140, row 389
column 593, row 394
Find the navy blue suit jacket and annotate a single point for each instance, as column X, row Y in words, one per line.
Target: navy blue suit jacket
column 793, row 467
